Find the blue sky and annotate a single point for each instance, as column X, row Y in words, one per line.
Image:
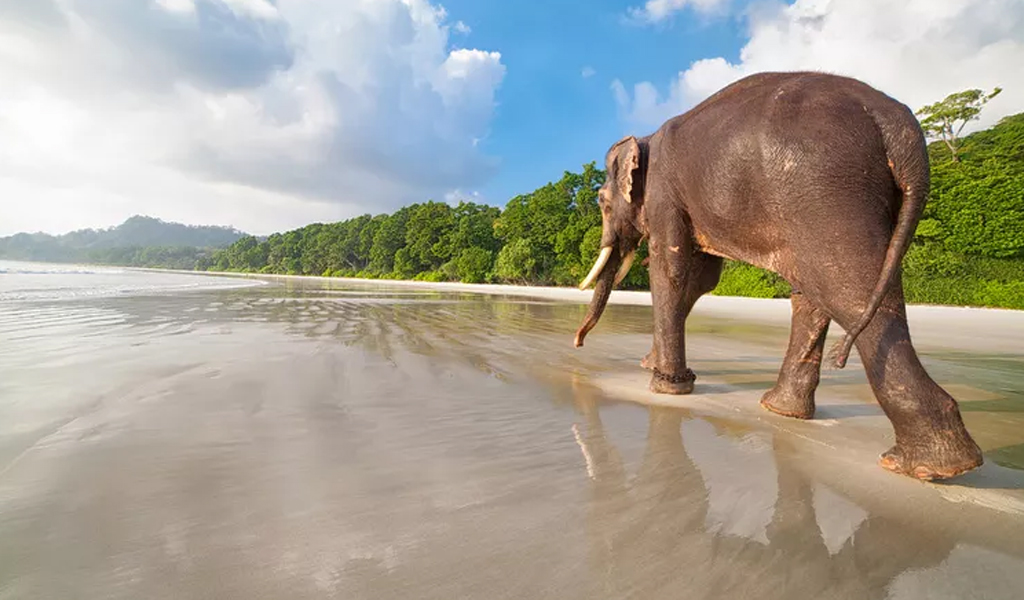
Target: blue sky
column 551, row 118
column 268, row 115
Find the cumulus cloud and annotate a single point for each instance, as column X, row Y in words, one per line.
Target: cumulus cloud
column 918, row 51
column 263, row 114
column 588, row 72
column 654, row 11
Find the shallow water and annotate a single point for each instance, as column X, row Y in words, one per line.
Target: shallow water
column 312, row 440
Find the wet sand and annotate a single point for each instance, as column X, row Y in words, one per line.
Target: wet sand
column 335, row 439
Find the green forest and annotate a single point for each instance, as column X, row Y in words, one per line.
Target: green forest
column 968, row 248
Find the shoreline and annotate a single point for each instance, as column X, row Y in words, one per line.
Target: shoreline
column 744, row 307
column 707, row 303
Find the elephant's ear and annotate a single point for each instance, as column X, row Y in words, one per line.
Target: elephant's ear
column 627, row 161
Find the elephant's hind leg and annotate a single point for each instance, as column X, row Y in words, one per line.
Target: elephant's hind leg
column 931, row 440
column 793, row 394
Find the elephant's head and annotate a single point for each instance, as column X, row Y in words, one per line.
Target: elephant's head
column 621, row 199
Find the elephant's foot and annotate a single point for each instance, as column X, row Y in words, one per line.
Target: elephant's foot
column 788, row 402
column 648, row 361
column 672, row 384
column 940, row 461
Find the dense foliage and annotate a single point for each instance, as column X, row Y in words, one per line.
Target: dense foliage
column 968, row 249
column 547, row 237
column 139, row 241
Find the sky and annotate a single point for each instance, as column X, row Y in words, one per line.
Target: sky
column 268, row 115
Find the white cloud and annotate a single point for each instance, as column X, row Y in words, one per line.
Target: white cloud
column 588, row 72
column 917, row 51
column 261, row 9
column 259, row 114
column 654, row 11
column 178, row 6
column 462, row 28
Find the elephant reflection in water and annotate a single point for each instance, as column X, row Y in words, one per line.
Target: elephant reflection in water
column 650, row 538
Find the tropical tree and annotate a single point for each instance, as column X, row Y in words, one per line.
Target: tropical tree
column 426, row 237
column 554, row 220
column 472, row 265
column 947, row 118
column 388, row 239
column 516, row 262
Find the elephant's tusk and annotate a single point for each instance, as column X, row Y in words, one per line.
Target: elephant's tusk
column 624, row 269
column 602, row 260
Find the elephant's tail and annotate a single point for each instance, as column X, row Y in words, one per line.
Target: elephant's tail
column 907, row 153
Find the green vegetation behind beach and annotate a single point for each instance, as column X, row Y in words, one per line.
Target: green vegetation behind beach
column 968, row 250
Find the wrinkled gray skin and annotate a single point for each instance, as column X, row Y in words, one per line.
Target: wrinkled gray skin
column 816, row 177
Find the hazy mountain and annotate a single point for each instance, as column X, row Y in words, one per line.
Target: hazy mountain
column 136, row 232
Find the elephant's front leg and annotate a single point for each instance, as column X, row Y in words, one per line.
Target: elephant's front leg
column 679, row 277
column 670, row 373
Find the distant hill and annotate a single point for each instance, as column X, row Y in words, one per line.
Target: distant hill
column 102, row 245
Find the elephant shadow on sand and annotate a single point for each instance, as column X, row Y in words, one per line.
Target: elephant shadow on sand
column 667, row 532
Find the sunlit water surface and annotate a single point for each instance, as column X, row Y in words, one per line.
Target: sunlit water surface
column 176, row 436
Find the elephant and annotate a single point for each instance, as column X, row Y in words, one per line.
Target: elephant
column 819, row 178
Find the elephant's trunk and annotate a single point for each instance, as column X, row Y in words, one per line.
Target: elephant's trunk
column 603, row 289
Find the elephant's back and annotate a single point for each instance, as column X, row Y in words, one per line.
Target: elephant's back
column 778, row 148
column 785, row 100
column 785, row 129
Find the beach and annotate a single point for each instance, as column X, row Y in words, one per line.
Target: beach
column 177, row 435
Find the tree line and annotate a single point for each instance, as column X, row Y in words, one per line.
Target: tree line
column 968, row 249
column 547, row 237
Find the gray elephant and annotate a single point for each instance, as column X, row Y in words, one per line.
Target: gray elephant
column 819, row 178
